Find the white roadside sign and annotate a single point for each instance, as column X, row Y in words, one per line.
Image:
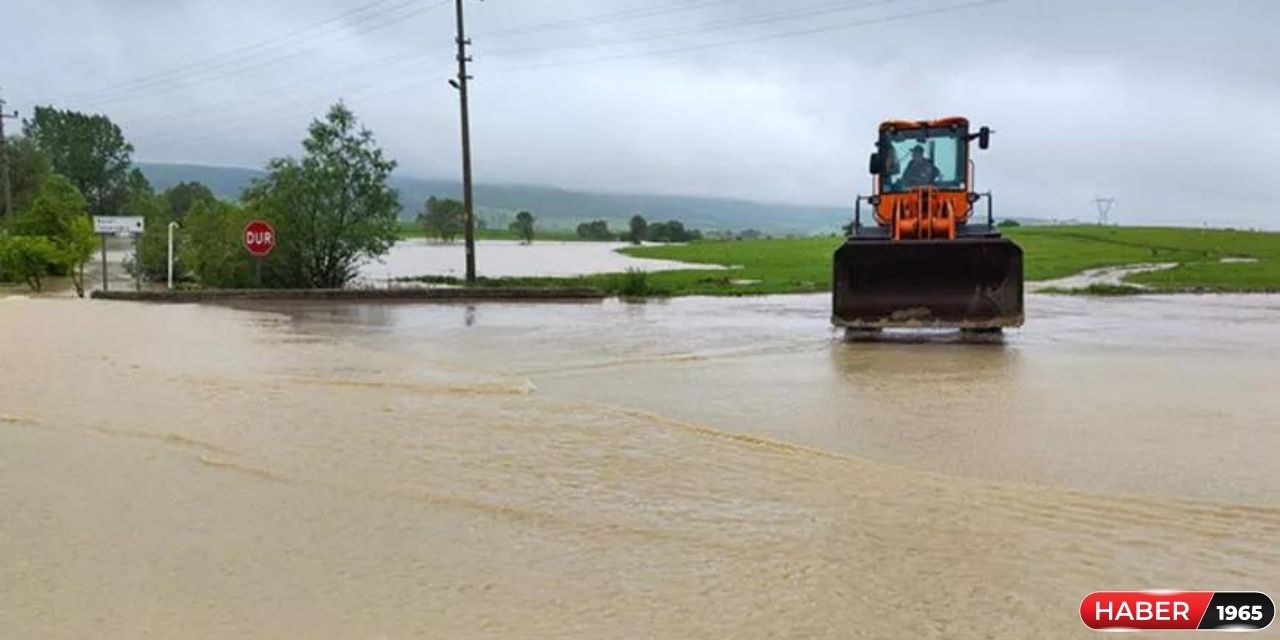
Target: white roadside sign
column 118, row 225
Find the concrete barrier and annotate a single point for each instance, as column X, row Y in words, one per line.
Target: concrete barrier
column 480, row 294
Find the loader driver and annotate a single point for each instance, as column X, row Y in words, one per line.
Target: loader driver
column 920, row 172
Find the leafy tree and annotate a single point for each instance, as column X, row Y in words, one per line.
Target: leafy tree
column 331, row 209
column 523, row 227
column 672, row 231
column 153, row 246
column 1009, row 222
column 50, row 213
column 211, row 245
column 136, row 184
column 639, row 229
column 57, row 214
column 29, row 167
column 182, row 196
column 77, row 250
column 90, row 150
column 595, row 230
column 443, row 219
column 27, row 258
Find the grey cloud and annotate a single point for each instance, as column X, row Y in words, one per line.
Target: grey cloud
column 1161, row 103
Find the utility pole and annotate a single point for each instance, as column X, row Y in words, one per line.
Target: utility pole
column 5, row 191
column 1104, row 209
column 468, row 201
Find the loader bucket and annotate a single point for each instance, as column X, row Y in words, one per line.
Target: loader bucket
column 967, row 283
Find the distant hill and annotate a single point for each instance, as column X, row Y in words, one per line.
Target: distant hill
column 226, row 182
column 554, row 207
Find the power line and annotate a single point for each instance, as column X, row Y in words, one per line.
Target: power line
column 400, row 57
column 227, row 63
column 231, row 70
column 723, row 25
column 220, row 58
column 288, row 111
column 617, row 16
column 277, row 90
column 328, row 78
column 207, row 130
column 283, row 105
column 242, row 65
column 767, row 37
column 236, row 56
column 215, row 69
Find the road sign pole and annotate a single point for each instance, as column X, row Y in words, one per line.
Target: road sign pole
column 137, row 266
column 259, row 239
column 172, row 226
column 132, row 226
column 104, row 260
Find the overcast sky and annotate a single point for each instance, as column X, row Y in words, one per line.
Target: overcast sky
column 1168, row 105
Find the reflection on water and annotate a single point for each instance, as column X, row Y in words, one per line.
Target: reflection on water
column 686, row 469
column 923, row 336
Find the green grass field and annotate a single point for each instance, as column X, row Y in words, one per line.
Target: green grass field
column 804, row 265
column 1054, row 252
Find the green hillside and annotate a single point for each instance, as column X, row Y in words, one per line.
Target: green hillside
column 555, row 208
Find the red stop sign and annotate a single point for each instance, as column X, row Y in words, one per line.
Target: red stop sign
column 259, row 238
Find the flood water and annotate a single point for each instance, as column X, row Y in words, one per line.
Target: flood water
column 500, row 259
column 1147, row 395
column 691, row 468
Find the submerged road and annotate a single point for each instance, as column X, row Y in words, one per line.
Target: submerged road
column 1159, row 394
column 692, row 468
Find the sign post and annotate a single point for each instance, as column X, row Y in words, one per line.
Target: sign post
column 124, row 226
column 172, row 226
column 104, row 261
column 137, row 265
column 259, row 240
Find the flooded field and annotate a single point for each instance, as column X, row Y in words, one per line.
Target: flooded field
column 410, row 258
column 693, row 468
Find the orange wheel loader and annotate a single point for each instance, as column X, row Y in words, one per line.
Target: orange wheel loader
column 921, row 260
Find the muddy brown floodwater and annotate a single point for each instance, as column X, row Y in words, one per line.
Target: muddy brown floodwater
column 689, row 469
column 410, row 258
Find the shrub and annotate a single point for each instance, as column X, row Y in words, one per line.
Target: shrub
column 211, row 247
column 27, row 258
column 635, row 283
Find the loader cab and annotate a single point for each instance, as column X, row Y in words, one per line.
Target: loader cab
column 912, row 155
column 923, row 181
